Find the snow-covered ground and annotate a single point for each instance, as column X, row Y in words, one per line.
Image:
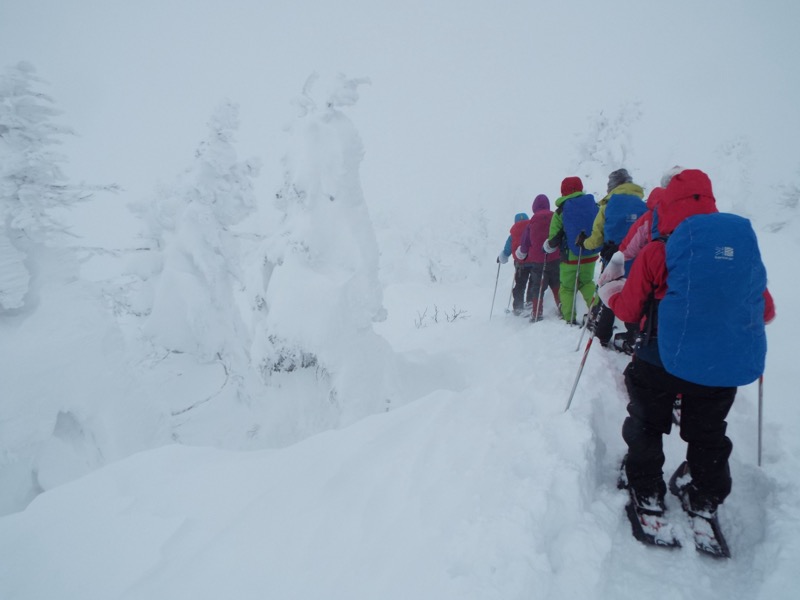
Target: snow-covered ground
column 277, row 376
column 482, row 488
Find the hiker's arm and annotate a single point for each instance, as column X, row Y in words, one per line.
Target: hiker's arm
column 769, row 307
column 648, row 275
column 596, row 239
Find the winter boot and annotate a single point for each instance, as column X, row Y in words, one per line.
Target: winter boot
column 622, row 343
column 702, row 514
column 680, row 485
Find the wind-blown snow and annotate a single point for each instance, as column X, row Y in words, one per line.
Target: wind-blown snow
column 277, row 376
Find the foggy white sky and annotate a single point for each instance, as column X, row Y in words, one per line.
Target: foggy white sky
column 499, row 91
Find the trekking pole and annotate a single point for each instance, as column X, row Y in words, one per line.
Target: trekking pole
column 497, row 279
column 575, row 292
column 540, row 299
column 760, row 413
column 588, row 317
column 511, row 291
column 580, row 370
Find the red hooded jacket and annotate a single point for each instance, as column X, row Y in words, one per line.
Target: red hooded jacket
column 688, row 193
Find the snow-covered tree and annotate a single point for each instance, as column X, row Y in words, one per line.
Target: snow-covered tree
column 31, row 180
column 321, row 290
column 606, row 145
column 32, row 184
column 732, row 185
column 782, row 214
column 192, row 228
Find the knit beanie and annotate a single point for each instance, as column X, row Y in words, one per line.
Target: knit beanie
column 570, row 185
column 617, row 178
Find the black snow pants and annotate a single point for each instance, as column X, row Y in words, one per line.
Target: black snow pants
column 652, row 393
column 544, row 275
column 523, row 285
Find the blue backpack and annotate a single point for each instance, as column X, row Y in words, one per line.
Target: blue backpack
column 622, row 211
column 711, row 320
column 578, row 215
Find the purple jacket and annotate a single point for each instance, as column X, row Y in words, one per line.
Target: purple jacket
column 536, row 233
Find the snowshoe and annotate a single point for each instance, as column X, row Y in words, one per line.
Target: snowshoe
column 648, row 523
column 707, row 534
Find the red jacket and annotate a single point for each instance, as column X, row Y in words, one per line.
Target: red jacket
column 516, row 231
column 641, row 231
column 689, row 193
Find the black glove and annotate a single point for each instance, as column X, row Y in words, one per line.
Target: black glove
column 580, row 239
column 607, row 251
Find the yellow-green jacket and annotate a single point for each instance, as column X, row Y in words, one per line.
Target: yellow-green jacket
column 596, row 240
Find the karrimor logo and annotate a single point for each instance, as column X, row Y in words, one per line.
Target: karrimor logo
column 723, row 253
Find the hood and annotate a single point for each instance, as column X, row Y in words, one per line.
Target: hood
column 541, row 202
column 520, row 217
column 570, row 185
column 656, row 194
column 688, row 193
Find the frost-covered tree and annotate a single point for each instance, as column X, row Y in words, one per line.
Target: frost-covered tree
column 32, row 184
column 191, row 225
column 780, row 215
column 606, row 145
column 732, row 184
column 321, row 292
column 31, row 180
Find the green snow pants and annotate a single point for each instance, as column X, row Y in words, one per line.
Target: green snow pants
column 566, row 292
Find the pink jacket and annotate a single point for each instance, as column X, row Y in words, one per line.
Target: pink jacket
column 641, row 231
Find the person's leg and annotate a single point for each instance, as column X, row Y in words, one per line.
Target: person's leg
column 604, row 323
column 530, row 296
column 703, row 413
column 586, row 284
column 518, row 291
column 649, row 418
column 551, row 276
column 537, row 289
column 566, row 290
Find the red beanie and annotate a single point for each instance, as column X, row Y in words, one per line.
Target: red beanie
column 570, row 185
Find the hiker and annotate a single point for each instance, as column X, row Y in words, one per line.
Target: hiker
column 617, row 212
column 641, row 232
column 699, row 343
column 544, row 267
column 639, row 235
column 522, row 292
column 575, row 212
column 646, row 226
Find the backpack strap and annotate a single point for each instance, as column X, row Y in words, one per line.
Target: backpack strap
column 651, row 323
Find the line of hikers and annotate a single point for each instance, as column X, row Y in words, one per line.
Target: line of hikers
column 689, row 285
column 553, row 249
